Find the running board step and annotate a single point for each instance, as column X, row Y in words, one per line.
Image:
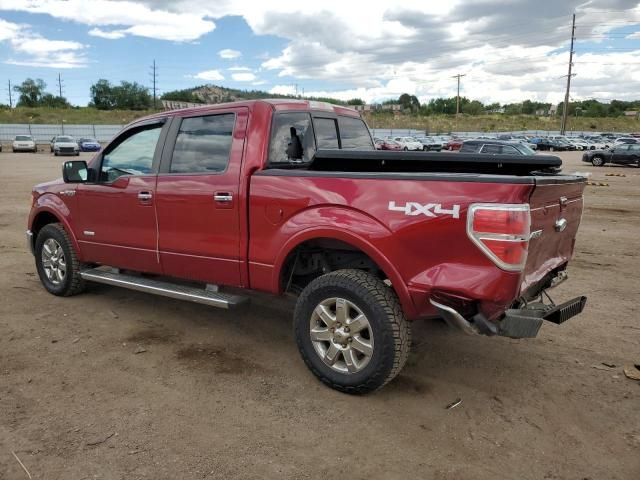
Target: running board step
column 163, row 288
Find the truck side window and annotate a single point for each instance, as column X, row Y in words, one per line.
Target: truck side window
column 354, row 134
column 203, row 144
column 326, row 133
column 132, row 156
column 493, row 149
column 289, row 131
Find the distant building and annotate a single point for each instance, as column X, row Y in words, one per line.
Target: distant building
column 553, row 110
column 395, row 107
column 175, row 105
column 631, row 113
column 362, row 108
column 497, row 110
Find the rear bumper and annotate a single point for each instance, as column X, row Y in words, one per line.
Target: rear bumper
column 517, row 322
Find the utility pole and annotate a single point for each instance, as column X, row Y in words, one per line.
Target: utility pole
column 565, row 110
column 154, row 77
column 59, row 85
column 10, row 99
column 458, row 76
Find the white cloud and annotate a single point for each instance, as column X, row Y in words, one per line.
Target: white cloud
column 633, row 36
column 284, row 90
column 394, row 46
column 243, row 77
column 109, row 34
column 33, row 50
column 239, row 69
column 8, row 30
column 129, row 17
column 209, row 75
column 229, row 54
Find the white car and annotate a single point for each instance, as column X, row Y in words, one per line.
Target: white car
column 65, row 145
column 24, row 143
column 578, row 143
column 408, row 143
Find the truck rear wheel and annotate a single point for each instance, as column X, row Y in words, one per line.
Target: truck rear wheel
column 56, row 261
column 351, row 331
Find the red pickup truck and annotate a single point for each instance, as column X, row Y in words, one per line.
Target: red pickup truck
column 290, row 196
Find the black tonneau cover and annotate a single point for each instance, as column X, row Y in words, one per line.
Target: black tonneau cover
column 388, row 161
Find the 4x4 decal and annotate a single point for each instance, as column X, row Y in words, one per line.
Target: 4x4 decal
column 428, row 209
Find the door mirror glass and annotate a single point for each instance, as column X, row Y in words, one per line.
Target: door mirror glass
column 75, row 171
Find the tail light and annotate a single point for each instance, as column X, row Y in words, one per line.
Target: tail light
column 502, row 232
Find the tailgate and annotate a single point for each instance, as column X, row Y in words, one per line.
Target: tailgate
column 556, row 209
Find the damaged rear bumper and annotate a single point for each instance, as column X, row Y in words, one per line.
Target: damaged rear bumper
column 517, row 322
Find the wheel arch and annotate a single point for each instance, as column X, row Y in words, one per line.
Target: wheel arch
column 46, row 214
column 338, row 240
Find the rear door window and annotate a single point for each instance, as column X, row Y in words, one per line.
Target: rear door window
column 203, row 144
column 354, row 134
column 292, row 139
column 326, row 133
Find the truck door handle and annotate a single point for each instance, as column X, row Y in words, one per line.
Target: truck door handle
column 145, row 196
column 223, row 197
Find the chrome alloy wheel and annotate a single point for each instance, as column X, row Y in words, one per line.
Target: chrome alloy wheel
column 53, row 261
column 341, row 335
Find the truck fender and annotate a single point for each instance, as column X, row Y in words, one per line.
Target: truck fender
column 348, row 234
column 52, row 204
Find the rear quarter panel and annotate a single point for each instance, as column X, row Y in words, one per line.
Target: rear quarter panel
column 420, row 254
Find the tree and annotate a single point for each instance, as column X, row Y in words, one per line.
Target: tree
column 52, row 101
column 355, row 101
column 409, row 102
column 126, row 96
column 473, row 108
column 31, row 92
column 102, row 95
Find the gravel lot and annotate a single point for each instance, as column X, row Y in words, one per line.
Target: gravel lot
column 223, row 394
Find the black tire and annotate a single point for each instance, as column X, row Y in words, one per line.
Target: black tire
column 391, row 335
column 72, row 283
column 598, row 161
column 405, row 149
column 55, row 154
column 425, row 149
column 551, row 149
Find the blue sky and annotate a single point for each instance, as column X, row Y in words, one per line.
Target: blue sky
column 336, row 48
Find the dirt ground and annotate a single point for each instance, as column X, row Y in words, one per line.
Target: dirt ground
column 222, row 394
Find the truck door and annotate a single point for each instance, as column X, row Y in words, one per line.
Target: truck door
column 198, row 197
column 116, row 213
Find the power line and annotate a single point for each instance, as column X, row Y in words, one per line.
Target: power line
column 59, row 85
column 154, row 78
column 565, row 110
column 458, row 76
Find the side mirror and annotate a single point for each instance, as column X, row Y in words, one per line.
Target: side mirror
column 75, row 171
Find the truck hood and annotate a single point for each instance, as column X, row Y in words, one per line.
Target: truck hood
column 53, row 186
column 65, row 144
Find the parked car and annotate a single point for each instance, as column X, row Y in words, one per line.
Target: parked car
column 579, row 143
column 193, row 195
column 625, row 140
column 496, row 147
column 89, row 145
column 430, row 144
column 454, row 144
column 622, row 154
column 382, row 144
column 408, row 143
column 596, row 142
column 544, row 143
column 65, row 145
column 24, row 143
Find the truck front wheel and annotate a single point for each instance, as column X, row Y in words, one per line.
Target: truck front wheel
column 56, row 261
column 351, row 331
